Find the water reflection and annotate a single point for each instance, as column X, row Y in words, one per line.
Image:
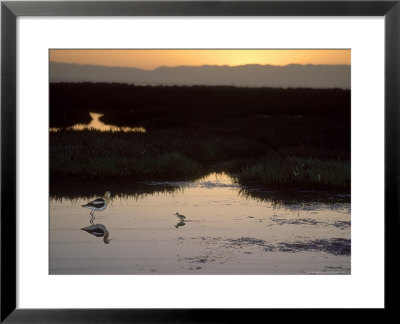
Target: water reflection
column 98, row 230
column 214, row 181
column 287, row 198
column 72, row 189
column 180, row 223
column 96, row 124
column 232, row 231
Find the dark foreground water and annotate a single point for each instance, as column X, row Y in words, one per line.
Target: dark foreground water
column 227, row 230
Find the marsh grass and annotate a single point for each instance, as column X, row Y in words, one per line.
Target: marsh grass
column 72, row 189
column 295, row 198
column 275, row 170
column 173, row 106
column 271, row 137
column 99, row 155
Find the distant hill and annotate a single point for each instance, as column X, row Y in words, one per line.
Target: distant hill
column 253, row 75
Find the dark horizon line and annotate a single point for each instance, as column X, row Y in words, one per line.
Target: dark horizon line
column 204, row 65
column 196, row 85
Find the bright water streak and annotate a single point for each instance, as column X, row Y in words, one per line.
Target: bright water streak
column 96, row 124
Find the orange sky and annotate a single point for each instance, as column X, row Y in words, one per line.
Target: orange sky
column 150, row 59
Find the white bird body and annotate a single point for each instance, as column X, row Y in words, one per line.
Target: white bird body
column 98, row 204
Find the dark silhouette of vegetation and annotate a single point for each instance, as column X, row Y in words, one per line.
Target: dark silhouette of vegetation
column 74, row 189
column 168, row 106
column 274, row 137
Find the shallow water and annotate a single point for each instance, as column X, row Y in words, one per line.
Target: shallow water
column 227, row 230
column 96, row 124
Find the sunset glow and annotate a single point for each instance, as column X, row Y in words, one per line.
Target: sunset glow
column 151, row 59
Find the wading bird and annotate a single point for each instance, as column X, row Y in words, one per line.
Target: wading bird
column 181, row 217
column 98, row 230
column 98, row 204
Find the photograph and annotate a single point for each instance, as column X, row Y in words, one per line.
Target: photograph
column 199, row 161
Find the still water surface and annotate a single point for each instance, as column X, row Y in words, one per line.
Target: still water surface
column 227, row 230
column 97, row 124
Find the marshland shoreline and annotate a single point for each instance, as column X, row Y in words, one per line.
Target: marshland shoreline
column 275, row 138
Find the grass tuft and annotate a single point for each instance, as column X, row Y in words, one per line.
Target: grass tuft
column 293, row 171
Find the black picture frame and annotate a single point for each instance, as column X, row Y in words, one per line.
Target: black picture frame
column 10, row 10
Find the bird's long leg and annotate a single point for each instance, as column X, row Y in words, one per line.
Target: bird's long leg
column 92, row 218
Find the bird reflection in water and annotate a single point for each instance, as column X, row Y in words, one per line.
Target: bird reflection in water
column 98, row 230
column 181, row 220
column 180, row 223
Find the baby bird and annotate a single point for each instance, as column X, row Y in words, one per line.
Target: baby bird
column 181, row 217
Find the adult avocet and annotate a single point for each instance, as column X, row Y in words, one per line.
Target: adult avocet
column 98, row 230
column 98, row 204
